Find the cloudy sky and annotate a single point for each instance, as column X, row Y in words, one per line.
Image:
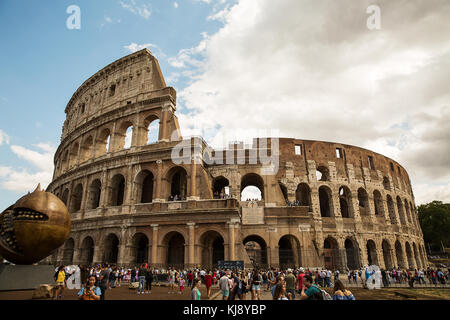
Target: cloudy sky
column 242, row 68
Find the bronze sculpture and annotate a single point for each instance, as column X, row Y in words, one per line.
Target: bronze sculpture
column 33, row 227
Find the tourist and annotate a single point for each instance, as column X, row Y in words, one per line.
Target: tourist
column 208, row 279
column 242, row 287
column 340, row 293
column 181, row 282
column 328, row 278
column 280, row 293
column 112, row 279
column 278, row 280
column 195, row 292
column 89, row 291
column 349, row 276
column 256, row 285
column 60, row 279
column 290, row 283
column 133, row 275
column 300, row 277
column 190, row 278
column 103, row 280
column 224, row 287
column 148, row 280
column 310, row 291
column 171, row 278
column 142, row 274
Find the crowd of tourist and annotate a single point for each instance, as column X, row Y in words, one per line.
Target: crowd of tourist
column 288, row 284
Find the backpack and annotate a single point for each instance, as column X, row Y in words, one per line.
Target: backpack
column 323, row 295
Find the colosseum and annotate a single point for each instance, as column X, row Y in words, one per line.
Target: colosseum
column 327, row 204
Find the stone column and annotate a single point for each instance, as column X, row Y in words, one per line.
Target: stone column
column 98, row 254
column 157, row 196
column 231, row 240
column 193, row 184
column 191, row 246
column 154, row 260
column 76, row 256
column 104, row 190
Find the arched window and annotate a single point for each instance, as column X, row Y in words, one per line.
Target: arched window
column 326, row 202
column 322, row 174
column 76, row 198
column 94, row 194
column 152, row 125
column 303, row 194
column 103, row 142
column 252, row 187
column 117, row 190
column 378, row 203
column 345, row 202
column 363, row 201
column 86, row 149
column 221, row 187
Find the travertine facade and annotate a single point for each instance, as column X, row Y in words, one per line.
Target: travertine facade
column 353, row 206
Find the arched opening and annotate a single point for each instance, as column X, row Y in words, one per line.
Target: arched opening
column 76, row 198
column 345, row 202
column 399, row 255
column 387, row 254
column 65, row 196
column 256, row 249
column 73, row 156
column 378, row 203
column 417, row 256
column 212, row 249
column 363, row 202
column 322, row 174
column 87, row 251
column 326, row 202
column 117, row 190
column 152, row 125
column 175, row 249
column 331, row 253
column 252, row 187
column 144, row 183
column 221, row 188
column 352, row 254
column 68, row 252
column 65, row 161
column 289, row 252
column 386, row 184
column 178, row 183
column 400, row 211
column 95, row 190
column 103, row 142
column 86, row 149
column 372, row 257
column 391, row 209
column 409, row 256
column 124, row 135
column 283, row 191
column 408, row 216
column 111, row 250
column 303, row 195
column 139, row 248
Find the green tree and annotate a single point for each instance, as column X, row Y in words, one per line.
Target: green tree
column 434, row 218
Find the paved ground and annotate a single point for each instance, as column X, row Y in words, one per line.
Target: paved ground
column 119, row 293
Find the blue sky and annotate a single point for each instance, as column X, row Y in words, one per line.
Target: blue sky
column 241, row 68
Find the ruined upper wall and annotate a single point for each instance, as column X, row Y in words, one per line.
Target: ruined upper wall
column 122, row 82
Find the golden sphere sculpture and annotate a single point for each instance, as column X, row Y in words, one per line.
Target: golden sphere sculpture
column 33, row 227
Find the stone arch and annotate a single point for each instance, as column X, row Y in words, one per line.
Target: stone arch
column 303, row 194
column 346, row 202
column 322, row 173
column 378, row 203
column 73, row 155
column 103, row 142
column 284, row 191
column 76, row 198
column 331, row 253
column 256, row 249
column 151, row 124
column 326, row 202
column 144, row 183
column 117, row 192
column 65, row 196
column 174, row 243
column 212, row 248
column 111, row 249
column 69, row 247
column 407, row 212
column 123, row 137
column 177, row 182
column 409, row 255
column 400, row 211
column 363, row 202
column 391, row 209
column 86, row 148
column 386, row 184
column 220, row 187
column 399, row 255
column 139, row 248
column 65, row 161
column 251, row 181
column 372, row 257
column 95, row 190
column 387, row 256
column 289, row 253
column 352, row 253
column 87, row 251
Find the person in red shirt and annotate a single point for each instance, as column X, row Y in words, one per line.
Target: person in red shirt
column 300, row 279
column 190, row 277
column 208, row 283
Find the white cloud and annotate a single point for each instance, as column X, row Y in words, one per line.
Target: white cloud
column 21, row 179
column 175, row 4
column 314, row 70
column 133, row 47
column 4, row 138
column 142, row 10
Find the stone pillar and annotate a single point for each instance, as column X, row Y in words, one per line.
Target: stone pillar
column 193, row 184
column 157, row 195
column 191, row 244
column 231, row 240
column 76, row 256
column 154, row 259
column 98, row 254
column 104, row 190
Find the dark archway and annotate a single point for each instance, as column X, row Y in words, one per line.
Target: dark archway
column 95, row 190
column 289, row 252
column 117, row 190
column 401, row 213
column 372, row 257
column 252, row 181
column 111, row 249
column 399, row 255
column 256, row 249
column 220, row 187
column 363, row 202
column 140, row 245
column 391, row 209
column 147, row 188
column 386, row 247
column 352, row 254
column 303, row 194
column 409, row 256
column 331, row 253
column 378, row 203
column 87, row 251
column 213, row 249
column 76, row 198
column 178, row 182
column 175, row 250
column 326, row 202
column 345, row 202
